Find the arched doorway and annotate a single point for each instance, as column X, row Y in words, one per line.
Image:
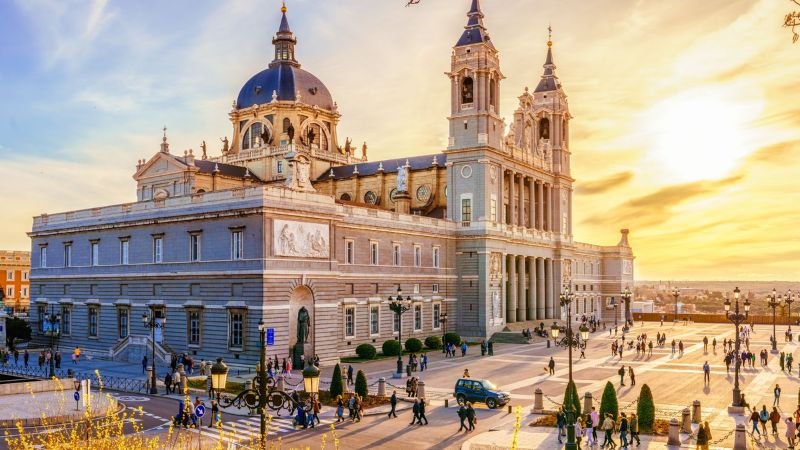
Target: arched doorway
column 301, row 324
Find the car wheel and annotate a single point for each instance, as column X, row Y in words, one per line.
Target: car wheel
column 462, row 401
column 491, row 403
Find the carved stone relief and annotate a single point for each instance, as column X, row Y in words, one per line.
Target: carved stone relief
column 301, row 239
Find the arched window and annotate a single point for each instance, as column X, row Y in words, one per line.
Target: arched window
column 345, row 197
column 286, row 124
column 252, row 135
column 544, row 128
column 314, row 136
column 493, row 93
column 466, row 90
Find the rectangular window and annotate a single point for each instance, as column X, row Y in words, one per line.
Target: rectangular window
column 158, row 250
column 93, row 316
column 10, row 291
column 68, row 255
column 40, row 312
column 194, row 247
column 436, row 257
column 396, row 254
column 124, row 251
column 280, row 166
column 416, row 288
column 396, row 323
column 466, row 211
column 123, row 322
column 437, row 310
column 237, row 250
column 66, row 320
column 193, row 325
column 349, row 251
column 417, row 256
column 350, row 321
column 42, row 256
column 10, row 275
column 24, row 292
column 493, row 209
column 236, row 329
column 373, row 253
column 417, row 317
column 95, row 253
column 374, row 320
column 435, row 288
column 25, row 276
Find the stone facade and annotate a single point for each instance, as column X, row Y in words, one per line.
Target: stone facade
column 285, row 223
column 15, row 267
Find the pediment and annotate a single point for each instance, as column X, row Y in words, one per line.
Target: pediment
column 160, row 165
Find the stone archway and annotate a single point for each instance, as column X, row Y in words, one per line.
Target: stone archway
column 301, row 306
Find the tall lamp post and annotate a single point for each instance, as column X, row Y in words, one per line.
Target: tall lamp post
column 773, row 301
column 53, row 330
column 676, row 293
column 789, row 299
column 149, row 321
column 614, row 305
column 399, row 305
column 737, row 319
column 566, row 299
column 626, row 297
column 443, row 321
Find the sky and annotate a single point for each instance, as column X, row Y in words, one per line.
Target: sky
column 686, row 125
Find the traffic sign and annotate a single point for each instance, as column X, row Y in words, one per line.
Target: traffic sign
column 76, row 396
column 270, row 336
column 199, row 411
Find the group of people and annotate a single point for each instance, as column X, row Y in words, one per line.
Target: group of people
column 586, row 428
column 186, row 414
column 417, row 362
column 355, row 407
column 450, row 349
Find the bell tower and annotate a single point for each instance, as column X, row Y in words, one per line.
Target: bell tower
column 552, row 112
column 475, row 87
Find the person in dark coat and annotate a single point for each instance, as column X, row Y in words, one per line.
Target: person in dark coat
column 393, row 403
column 471, row 416
column 422, row 417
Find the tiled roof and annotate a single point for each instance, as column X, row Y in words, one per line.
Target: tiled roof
column 389, row 166
column 226, row 170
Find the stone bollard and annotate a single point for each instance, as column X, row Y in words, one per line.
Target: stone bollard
column 696, row 412
column 686, row 423
column 149, row 377
column 421, row 389
column 538, row 402
column 184, row 379
column 674, row 433
column 740, row 438
column 587, row 402
column 248, row 384
column 381, row 387
column 281, row 386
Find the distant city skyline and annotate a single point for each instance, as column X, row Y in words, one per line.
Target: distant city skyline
column 686, row 127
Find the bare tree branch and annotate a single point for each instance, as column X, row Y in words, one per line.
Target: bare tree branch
column 792, row 20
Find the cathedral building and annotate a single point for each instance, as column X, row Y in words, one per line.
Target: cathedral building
column 294, row 229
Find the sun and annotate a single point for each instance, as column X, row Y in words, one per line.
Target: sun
column 700, row 134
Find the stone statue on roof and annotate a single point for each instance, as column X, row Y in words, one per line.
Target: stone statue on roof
column 364, row 151
column 225, row 145
column 347, row 147
column 266, row 136
column 204, row 148
column 402, row 178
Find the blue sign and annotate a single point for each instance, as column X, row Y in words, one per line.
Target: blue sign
column 270, row 336
column 199, row 411
column 76, row 396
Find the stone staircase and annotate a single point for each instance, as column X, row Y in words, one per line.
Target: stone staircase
column 508, row 337
column 133, row 348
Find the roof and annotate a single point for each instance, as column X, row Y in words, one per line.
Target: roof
column 226, row 170
column 475, row 32
column 286, row 80
column 549, row 81
column 389, row 166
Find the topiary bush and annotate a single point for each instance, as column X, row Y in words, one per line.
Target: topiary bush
column 646, row 410
column 337, row 383
column 361, row 384
column 452, row 338
column 571, row 398
column 433, row 342
column 366, row 351
column 391, row 347
column 609, row 404
column 413, row 345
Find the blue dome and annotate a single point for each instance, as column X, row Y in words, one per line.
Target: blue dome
column 286, row 80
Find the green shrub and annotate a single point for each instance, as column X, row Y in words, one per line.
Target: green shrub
column 452, row 338
column 391, row 347
column 413, row 345
column 571, row 398
column 646, row 410
column 337, row 383
column 609, row 404
column 361, row 384
column 433, row 342
column 366, row 351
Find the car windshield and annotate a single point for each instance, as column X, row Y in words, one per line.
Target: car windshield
column 488, row 385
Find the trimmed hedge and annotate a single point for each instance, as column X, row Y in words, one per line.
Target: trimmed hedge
column 391, row 347
column 413, row 345
column 337, row 383
column 646, row 410
column 571, row 398
column 609, row 403
column 452, row 338
column 433, row 342
column 361, row 384
column 366, row 351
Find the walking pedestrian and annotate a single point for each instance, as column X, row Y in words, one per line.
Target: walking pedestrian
column 393, row 403
column 714, row 345
column 763, row 418
column 782, row 361
column 608, row 429
column 422, row 404
column 709, row 436
column 168, row 382
column 595, row 423
column 774, row 418
column 349, row 374
column 705, row 344
column 340, row 408
column 578, row 432
column 315, row 409
column 634, row 427
column 462, row 416
column 791, row 431
column 552, row 366
column 415, row 410
column 464, row 349
column 621, row 373
column 144, row 363
column 561, row 422
column 216, row 416
column 702, row 439
column 631, row 375
column 473, row 419
column 777, row 393
column 623, row 431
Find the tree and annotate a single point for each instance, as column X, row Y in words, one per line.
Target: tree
column 337, row 383
column 646, row 409
column 791, row 20
column 571, row 398
column 361, row 384
column 16, row 328
column 609, row 404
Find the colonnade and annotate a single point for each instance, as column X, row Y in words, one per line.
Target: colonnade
column 530, row 201
column 530, row 288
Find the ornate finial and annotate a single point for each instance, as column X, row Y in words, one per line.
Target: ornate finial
column 165, row 134
column 549, row 36
column 164, row 144
column 284, row 8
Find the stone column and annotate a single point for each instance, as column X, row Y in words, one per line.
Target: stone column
column 548, row 207
column 530, row 304
column 521, row 303
column 511, row 309
column 501, row 181
column 541, row 306
column 504, row 286
column 548, row 288
column 532, row 203
column 539, row 206
column 512, row 197
column 521, row 214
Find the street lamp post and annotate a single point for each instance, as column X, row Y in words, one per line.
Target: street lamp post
column 614, row 305
column 626, row 297
column 399, row 305
column 789, row 299
column 151, row 323
column 676, row 293
column 443, row 320
column 53, row 330
column 737, row 319
column 566, row 299
column 773, row 301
